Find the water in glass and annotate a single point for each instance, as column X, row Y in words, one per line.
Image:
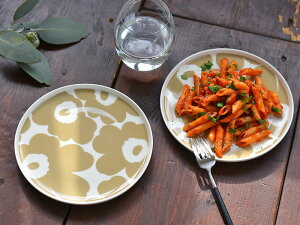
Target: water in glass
column 143, row 42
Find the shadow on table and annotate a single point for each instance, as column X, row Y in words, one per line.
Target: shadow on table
column 42, row 203
column 12, row 73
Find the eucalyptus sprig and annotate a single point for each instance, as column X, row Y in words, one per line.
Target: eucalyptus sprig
column 19, row 42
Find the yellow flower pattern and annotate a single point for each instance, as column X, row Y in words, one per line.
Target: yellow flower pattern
column 74, row 136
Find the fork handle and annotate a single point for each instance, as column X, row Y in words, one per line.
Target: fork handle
column 223, row 210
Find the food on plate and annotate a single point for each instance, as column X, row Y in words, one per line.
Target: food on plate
column 230, row 104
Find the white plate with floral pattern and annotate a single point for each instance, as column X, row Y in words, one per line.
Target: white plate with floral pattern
column 83, row 144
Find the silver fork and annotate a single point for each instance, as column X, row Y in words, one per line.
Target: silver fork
column 206, row 160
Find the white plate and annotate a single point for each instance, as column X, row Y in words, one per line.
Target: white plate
column 173, row 85
column 83, row 144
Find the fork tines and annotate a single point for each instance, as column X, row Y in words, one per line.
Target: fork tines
column 200, row 147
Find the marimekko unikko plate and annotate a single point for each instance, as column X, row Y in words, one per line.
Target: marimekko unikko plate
column 273, row 80
column 83, row 144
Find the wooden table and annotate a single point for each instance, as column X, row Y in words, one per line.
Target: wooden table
column 173, row 189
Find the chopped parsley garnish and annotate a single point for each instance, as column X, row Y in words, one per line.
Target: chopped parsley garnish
column 243, row 99
column 229, row 75
column 275, row 109
column 232, row 86
column 227, row 99
column 247, row 124
column 184, row 77
column 192, row 89
column 261, row 92
column 262, row 122
column 214, row 119
column 241, row 128
column 244, row 107
column 242, row 79
column 206, row 66
column 201, row 113
column 208, row 82
column 236, row 66
column 220, row 104
column 218, row 75
column 213, row 149
column 227, row 78
column 232, row 131
column 214, row 89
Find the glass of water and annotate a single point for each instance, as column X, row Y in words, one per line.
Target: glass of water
column 143, row 38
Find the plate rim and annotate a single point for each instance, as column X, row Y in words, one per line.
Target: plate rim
column 56, row 91
column 241, row 53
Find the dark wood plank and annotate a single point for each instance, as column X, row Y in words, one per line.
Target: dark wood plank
column 20, row 202
column 92, row 60
column 273, row 18
column 172, row 190
column 290, row 203
column 210, row 11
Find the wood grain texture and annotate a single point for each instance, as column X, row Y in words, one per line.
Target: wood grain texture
column 172, row 191
column 93, row 60
column 289, row 207
column 274, row 18
column 209, row 11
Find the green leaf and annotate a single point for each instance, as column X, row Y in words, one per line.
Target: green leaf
column 262, row 122
column 275, row 109
column 214, row 119
column 201, row 113
column 61, row 31
column 23, row 26
column 247, row 124
column 16, row 47
column 23, row 9
column 232, row 131
column 206, row 66
column 184, row 77
column 232, row 86
column 214, row 89
column 242, row 79
column 220, row 104
column 40, row 71
column 213, row 149
column 243, row 99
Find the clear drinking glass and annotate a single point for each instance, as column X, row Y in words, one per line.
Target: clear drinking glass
column 143, row 38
